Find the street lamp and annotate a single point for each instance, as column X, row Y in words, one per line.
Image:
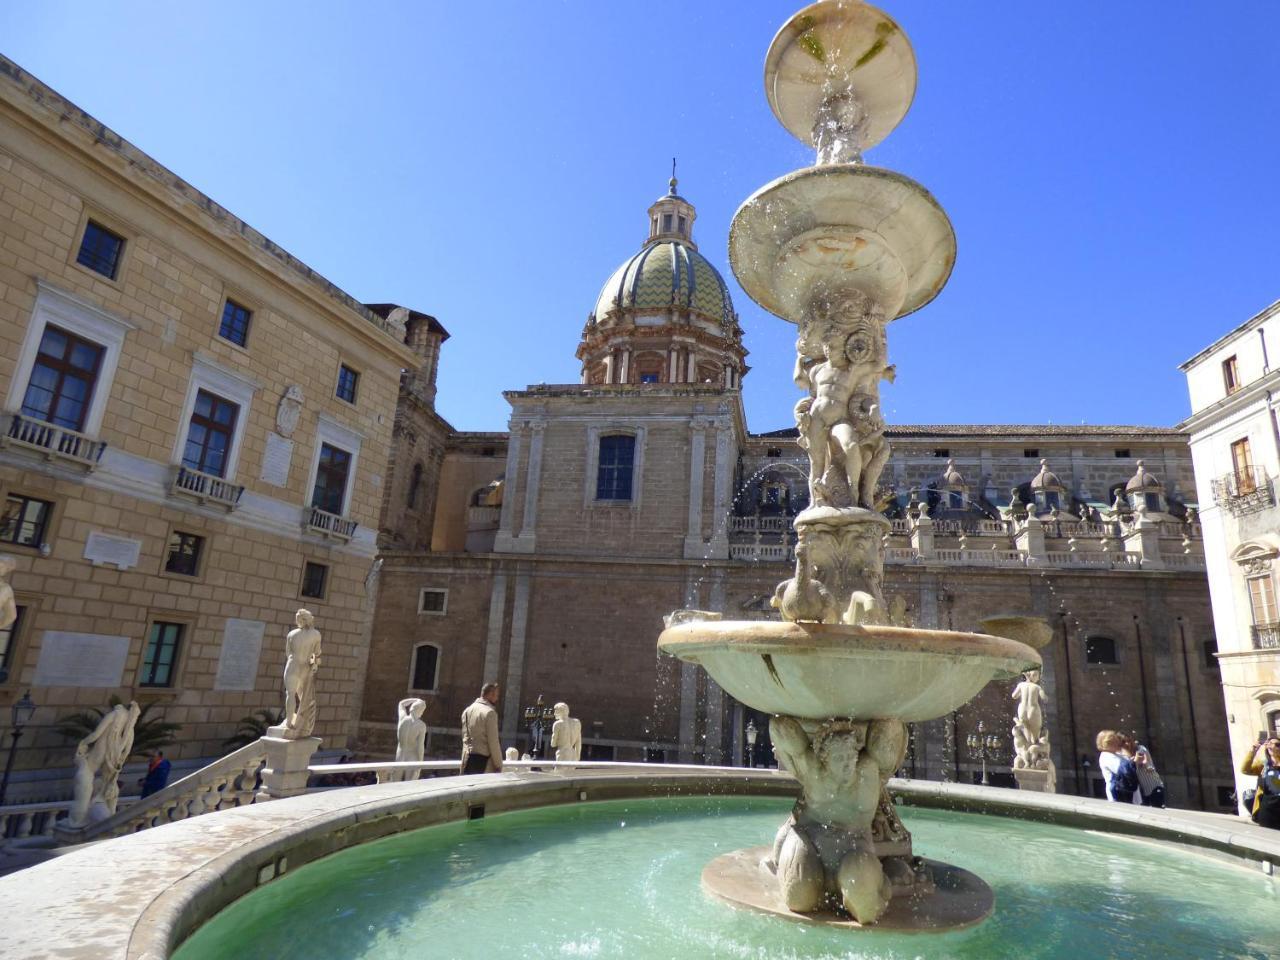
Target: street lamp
column 752, row 735
column 983, row 746
column 537, row 717
column 1086, row 763
column 22, row 712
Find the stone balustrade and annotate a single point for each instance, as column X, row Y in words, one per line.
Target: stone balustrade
column 22, row 822
column 205, row 488
column 230, row 781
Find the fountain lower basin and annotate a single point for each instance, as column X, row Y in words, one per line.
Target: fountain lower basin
column 816, row 671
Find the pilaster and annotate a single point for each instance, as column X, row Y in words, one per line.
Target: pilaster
column 694, row 546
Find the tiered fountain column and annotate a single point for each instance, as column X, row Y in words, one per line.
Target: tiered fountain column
column 841, row 249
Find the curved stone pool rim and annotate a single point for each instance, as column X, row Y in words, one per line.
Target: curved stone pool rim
column 138, row 897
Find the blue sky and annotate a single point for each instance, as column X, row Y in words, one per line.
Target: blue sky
column 1110, row 170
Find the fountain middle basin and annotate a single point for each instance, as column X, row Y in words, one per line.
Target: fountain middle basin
column 819, row 670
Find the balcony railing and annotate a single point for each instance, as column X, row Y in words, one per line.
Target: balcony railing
column 1244, row 491
column 1266, row 636
column 206, row 488
column 327, row 524
column 55, row 443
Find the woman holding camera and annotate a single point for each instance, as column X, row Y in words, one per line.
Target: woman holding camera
column 1263, row 761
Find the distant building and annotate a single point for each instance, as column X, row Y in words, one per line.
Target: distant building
column 559, row 545
column 196, row 428
column 1236, row 449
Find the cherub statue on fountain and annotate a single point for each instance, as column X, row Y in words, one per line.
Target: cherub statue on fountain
column 840, row 422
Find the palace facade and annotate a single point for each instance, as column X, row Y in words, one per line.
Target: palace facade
column 558, row 545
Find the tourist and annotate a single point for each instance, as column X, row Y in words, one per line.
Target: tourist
column 157, row 774
column 481, row 750
column 1118, row 771
column 1150, row 784
column 1263, row 761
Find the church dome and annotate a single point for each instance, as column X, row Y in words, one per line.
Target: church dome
column 1046, row 479
column 664, row 316
column 667, row 273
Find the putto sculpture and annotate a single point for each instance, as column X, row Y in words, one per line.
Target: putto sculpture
column 99, row 758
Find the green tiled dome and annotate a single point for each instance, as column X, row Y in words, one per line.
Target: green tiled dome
column 667, row 273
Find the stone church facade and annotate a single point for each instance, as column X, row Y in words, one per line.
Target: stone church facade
column 557, row 546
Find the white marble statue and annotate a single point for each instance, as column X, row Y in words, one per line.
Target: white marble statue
column 302, row 652
column 513, row 753
column 99, row 758
column 826, row 848
column 840, row 361
column 8, row 607
column 1030, row 739
column 411, row 739
column 566, row 734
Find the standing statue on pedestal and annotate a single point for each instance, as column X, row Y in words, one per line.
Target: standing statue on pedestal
column 411, row 739
column 1032, row 766
column 566, row 734
column 99, row 759
column 302, row 652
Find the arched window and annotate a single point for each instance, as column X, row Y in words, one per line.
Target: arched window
column 426, row 667
column 1100, row 650
column 415, row 481
column 617, row 460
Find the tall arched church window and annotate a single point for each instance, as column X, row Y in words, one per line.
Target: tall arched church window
column 426, row 667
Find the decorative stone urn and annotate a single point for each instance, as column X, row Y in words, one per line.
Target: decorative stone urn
column 841, row 249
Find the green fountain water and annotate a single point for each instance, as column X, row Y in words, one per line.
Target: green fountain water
column 620, row 880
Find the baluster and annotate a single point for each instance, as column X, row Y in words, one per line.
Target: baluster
column 24, row 826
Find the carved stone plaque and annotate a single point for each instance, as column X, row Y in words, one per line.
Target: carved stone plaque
column 105, row 548
column 276, row 459
column 80, row 660
column 241, row 650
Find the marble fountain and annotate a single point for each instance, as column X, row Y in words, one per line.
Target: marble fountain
column 841, row 249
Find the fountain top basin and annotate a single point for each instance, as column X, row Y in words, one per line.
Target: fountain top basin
column 817, row 671
column 841, row 225
column 831, row 48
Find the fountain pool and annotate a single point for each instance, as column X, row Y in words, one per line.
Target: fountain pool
column 620, row 879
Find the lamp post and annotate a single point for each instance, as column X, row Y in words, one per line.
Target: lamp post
column 1086, row 763
column 752, row 735
column 22, row 712
column 537, row 717
column 983, row 746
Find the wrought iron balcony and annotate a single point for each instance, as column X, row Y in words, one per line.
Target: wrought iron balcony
column 1266, row 636
column 206, row 488
column 1244, row 491
column 327, row 524
column 55, row 443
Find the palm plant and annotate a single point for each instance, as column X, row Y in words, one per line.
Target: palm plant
column 253, row 727
column 151, row 733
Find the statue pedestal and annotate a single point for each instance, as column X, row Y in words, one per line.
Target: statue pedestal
column 285, row 774
column 1040, row 781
